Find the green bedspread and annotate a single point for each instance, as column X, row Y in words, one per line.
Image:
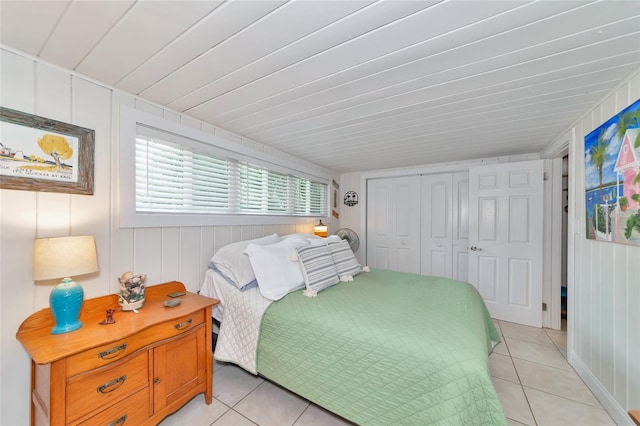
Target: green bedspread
column 388, row 348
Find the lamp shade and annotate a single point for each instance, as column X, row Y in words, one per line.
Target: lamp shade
column 320, row 229
column 65, row 257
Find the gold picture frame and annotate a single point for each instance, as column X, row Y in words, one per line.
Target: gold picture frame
column 41, row 154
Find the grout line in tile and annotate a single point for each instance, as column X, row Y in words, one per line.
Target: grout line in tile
column 563, row 398
column 544, row 365
column 245, row 397
column 301, row 414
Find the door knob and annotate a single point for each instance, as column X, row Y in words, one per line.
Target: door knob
column 474, row 248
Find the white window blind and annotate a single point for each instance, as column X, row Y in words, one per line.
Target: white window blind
column 173, row 178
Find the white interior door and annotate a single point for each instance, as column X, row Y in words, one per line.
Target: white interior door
column 436, row 228
column 393, row 224
column 460, row 249
column 505, row 239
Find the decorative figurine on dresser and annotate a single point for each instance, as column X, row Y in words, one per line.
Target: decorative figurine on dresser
column 128, row 367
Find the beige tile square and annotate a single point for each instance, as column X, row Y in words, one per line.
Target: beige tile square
column 231, row 383
column 501, row 348
column 514, row 403
column 559, row 339
column 230, row 418
column 526, row 333
column 542, row 354
column 270, row 405
column 501, row 366
column 316, row 416
column 555, row 381
column 196, row 412
column 551, row 410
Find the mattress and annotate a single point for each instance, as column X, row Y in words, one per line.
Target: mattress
column 215, row 286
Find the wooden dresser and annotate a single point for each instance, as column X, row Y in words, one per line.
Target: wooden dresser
column 133, row 372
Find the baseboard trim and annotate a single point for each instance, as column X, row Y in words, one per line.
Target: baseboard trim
column 611, row 406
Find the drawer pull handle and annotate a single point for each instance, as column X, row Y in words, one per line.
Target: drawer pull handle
column 119, row 421
column 183, row 324
column 113, row 352
column 112, row 385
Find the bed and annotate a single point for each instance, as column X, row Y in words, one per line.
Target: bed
column 386, row 348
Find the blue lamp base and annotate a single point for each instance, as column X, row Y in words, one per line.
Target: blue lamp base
column 65, row 302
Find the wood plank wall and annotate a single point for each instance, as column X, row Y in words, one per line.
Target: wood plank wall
column 164, row 254
column 604, row 346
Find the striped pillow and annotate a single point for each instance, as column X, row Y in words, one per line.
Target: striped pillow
column 317, row 267
column 344, row 259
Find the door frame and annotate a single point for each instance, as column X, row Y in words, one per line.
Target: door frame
column 553, row 236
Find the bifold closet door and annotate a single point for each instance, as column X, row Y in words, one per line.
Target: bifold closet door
column 460, row 249
column 393, row 224
column 436, row 209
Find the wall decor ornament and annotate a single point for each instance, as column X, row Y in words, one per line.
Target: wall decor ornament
column 351, row 198
column 132, row 293
column 41, row 154
column 334, row 211
column 612, row 178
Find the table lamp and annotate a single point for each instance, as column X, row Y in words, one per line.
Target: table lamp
column 64, row 257
column 320, row 229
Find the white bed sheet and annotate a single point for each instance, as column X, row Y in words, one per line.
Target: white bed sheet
column 216, row 286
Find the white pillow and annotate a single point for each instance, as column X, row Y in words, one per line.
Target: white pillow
column 276, row 267
column 344, row 259
column 317, row 268
column 309, row 237
column 231, row 261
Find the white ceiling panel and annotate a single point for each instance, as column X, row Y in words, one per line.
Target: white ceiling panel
column 82, row 26
column 225, row 21
column 27, row 25
column 364, row 20
column 350, row 85
column 146, row 28
column 310, row 120
column 286, row 24
column 395, row 36
column 457, row 64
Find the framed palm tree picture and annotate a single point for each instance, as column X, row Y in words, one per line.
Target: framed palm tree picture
column 612, row 178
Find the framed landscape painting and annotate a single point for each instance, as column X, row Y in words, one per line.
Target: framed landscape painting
column 40, row 154
column 612, row 178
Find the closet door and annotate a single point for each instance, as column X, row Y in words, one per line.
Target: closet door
column 460, row 249
column 393, row 224
column 437, row 225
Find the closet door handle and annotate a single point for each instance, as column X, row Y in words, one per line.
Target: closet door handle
column 474, row 248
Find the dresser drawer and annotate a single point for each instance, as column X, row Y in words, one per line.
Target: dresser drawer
column 130, row 412
column 94, row 391
column 105, row 354
column 177, row 326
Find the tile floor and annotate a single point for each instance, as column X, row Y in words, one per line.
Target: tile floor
column 535, row 383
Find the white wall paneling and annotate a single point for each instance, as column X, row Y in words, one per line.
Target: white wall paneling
column 604, row 283
column 164, row 254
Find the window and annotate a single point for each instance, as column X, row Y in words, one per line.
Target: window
column 177, row 176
